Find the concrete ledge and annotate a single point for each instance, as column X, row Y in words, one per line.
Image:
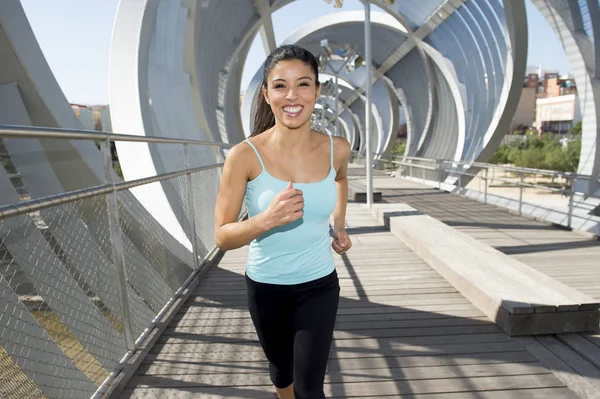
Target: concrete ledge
column 358, row 192
column 520, row 299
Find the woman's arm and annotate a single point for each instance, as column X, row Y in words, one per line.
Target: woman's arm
column 341, row 241
column 231, row 234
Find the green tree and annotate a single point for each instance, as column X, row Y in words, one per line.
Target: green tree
column 556, row 159
column 573, row 152
column 531, row 158
column 576, row 130
column 501, row 155
column 399, row 148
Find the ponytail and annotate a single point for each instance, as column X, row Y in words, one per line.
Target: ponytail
column 263, row 118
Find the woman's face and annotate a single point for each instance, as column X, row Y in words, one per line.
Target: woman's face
column 292, row 93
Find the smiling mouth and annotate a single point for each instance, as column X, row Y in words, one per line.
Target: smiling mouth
column 293, row 111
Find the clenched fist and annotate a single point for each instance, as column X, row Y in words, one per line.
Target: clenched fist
column 341, row 242
column 286, row 207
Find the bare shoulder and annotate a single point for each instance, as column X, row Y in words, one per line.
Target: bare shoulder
column 241, row 158
column 239, row 152
column 341, row 147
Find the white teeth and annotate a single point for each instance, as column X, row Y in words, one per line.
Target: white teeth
column 292, row 110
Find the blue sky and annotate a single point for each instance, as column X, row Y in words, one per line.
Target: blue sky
column 75, row 37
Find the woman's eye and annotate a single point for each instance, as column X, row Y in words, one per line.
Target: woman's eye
column 304, row 84
column 278, row 86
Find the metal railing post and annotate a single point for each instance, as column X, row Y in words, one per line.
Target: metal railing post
column 571, row 194
column 485, row 195
column 521, row 181
column 190, row 206
column 116, row 239
column 440, row 172
column 337, row 107
column 368, row 107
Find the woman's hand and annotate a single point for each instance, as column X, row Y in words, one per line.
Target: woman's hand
column 341, row 241
column 285, row 208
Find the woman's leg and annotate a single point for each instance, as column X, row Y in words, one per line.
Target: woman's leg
column 286, row 393
column 271, row 314
column 314, row 321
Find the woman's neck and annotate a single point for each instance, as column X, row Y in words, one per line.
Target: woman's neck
column 286, row 139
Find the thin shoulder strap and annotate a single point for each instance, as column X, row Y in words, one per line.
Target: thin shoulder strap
column 257, row 154
column 331, row 144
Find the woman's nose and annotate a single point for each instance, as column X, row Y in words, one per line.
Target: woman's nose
column 291, row 94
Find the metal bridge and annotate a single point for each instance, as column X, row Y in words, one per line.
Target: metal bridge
column 466, row 280
column 98, row 300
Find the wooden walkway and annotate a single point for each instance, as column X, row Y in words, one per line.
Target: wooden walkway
column 568, row 257
column 402, row 331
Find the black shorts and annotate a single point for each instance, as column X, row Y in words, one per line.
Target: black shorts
column 295, row 325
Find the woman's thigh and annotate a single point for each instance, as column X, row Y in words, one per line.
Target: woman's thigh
column 272, row 318
column 313, row 324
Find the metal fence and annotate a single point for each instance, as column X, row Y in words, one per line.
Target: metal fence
column 457, row 175
column 85, row 275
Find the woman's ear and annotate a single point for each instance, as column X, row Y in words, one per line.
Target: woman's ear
column 264, row 92
column 318, row 92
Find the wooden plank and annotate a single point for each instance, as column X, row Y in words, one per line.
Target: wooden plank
column 585, row 348
column 345, row 326
column 382, row 388
column 357, row 376
column 399, row 300
column 365, row 343
column 350, row 364
column 184, row 338
column 557, row 358
column 355, row 318
column 199, row 312
column 260, row 392
column 357, row 192
column 374, row 284
column 593, row 338
column 390, row 293
column 230, row 353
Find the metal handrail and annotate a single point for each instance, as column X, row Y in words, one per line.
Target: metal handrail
column 567, row 175
column 547, row 172
column 36, row 204
column 568, row 189
column 109, row 189
column 520, row 184
column 34, row 132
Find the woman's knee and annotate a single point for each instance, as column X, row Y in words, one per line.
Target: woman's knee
column 302, row 391
column 281, row 377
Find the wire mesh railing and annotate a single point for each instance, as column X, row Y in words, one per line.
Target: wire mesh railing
column 85, row 275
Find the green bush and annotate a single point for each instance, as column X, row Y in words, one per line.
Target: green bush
column 573, row 152
column 531, row 158
column 536, row 153
column 576, row 129
column 556, row 159
column 399, row 148
column 500, row 156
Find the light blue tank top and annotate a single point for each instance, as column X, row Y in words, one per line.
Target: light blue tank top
column 299, row 251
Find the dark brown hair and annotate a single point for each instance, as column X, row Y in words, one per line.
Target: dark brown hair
column 264, row 118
